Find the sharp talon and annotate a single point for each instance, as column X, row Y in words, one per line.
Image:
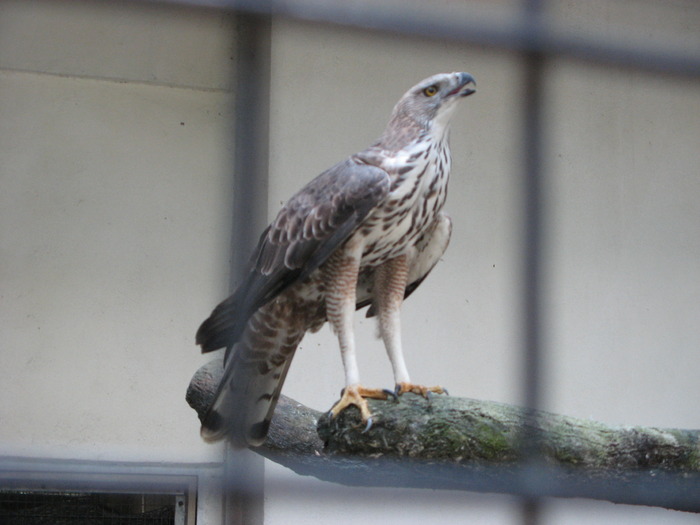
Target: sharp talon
column 369, row 425
column 428, row 395
column 444, row 391
column 390, row 393
column 357, row 395
column 342, row 392
column 397, row 391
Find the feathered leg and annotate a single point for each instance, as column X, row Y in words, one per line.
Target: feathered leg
column 342, row 271
column 389, row 289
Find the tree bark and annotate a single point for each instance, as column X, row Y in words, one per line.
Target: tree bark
column 456, row 443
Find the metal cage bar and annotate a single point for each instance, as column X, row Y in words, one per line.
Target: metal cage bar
column 526, row 32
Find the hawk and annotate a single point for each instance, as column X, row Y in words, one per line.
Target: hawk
column 365, row 232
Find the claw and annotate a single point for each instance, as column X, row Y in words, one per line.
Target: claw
column 357, row 395
column 369, row 425
column 391, row 393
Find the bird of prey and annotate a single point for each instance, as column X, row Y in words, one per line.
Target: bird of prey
column 365, row 232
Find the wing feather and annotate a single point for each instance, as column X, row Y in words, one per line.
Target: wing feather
column 308, row 229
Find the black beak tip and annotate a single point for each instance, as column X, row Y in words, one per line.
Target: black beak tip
column 468, row 83
column 466, row 78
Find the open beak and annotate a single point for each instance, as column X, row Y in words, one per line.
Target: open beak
column 466, row 87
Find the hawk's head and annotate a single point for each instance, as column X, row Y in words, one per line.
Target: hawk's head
column 431, row 103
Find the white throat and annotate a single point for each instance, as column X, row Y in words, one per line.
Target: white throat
column 441, row 123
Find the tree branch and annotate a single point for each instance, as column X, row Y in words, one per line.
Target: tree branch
column 465, row 444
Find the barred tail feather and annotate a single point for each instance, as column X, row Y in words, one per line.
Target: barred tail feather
column 254, row 373
column 244, row 405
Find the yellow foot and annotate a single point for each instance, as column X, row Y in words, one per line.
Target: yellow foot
column 421, row 390
column 357, row 395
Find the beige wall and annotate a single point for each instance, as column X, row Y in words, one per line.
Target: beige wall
column 114, row 226
column 113, row 237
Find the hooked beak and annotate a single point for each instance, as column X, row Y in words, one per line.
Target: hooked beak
column 466, row 87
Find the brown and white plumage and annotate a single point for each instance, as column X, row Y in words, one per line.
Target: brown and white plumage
column 365, row 232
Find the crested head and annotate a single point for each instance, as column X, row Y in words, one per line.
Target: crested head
column 430, row 104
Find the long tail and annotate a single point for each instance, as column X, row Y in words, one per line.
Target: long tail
column 254, row 373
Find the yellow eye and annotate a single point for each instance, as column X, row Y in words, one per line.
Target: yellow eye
column 430, row 91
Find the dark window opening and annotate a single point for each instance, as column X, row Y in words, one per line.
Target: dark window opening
column 36, row 507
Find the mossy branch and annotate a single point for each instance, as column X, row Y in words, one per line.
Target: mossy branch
column 456, row 443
